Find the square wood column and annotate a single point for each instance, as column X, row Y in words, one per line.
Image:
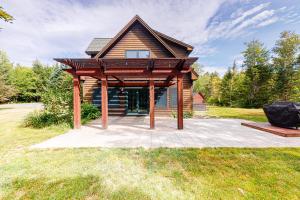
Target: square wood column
column 180, row 101
column 76, row 102
column 104, row 102
column 152, row 103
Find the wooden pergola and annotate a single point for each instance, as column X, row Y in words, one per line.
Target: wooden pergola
column 145, row 72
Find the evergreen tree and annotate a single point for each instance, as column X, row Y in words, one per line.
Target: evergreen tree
column 228, row 86
column 258, row 73
column 286, row 61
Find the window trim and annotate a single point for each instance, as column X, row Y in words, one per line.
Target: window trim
column 137, row 50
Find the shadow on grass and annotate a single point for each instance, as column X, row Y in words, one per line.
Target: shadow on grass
column 80, row 187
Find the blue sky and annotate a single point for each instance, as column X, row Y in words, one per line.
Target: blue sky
column 217, row 29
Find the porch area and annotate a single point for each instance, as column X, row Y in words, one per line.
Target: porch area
column 133, row 132
column 150, row 73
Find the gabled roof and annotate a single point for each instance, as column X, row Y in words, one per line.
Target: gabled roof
column 189, row 47
column 125, row 29
column 96, row 45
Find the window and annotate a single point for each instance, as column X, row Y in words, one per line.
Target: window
column 137, row 54
column 161, row 97
column 173, row 97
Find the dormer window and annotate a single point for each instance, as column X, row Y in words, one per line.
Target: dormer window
column 137, row 54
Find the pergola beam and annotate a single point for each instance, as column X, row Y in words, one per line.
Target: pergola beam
column 120, row 68
column 138, row 84
column 119, row 79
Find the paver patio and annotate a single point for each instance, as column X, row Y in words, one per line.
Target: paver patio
column 134, row 132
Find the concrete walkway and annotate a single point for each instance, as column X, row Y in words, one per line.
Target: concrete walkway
column 134, row 132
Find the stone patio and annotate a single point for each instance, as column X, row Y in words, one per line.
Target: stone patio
column 131, row 132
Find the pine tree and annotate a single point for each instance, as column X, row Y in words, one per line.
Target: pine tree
column 286, row 65
column 228, row 86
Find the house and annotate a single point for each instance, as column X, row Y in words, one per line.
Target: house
column 198, row 98
column 139, row 71
column 199, row 101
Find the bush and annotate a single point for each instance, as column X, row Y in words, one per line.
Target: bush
column 89, row 112
column 41, row 119
column 186, row 115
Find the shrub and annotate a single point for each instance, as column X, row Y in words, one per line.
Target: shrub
column 89, row 112
column 41, row 119
column 186, row 115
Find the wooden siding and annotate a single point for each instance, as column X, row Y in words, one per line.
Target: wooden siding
column 179, row 50
column 187, row 97
column 88, row 88
column 138, row 38
column 90, row 84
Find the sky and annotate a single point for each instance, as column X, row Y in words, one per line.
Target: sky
column 218, row 29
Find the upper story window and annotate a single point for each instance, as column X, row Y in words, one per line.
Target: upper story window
column 137, row 54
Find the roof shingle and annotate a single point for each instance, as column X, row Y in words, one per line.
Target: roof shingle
column 96, row 45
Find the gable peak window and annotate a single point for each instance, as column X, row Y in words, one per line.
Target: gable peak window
column 137, row 54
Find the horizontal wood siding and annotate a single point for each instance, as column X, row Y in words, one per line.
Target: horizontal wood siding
column 138, row 38
column 179, row 50
column 88, row 88
column 90, row 84
column 187, row 97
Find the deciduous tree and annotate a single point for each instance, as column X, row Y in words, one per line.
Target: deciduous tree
column 258, row 73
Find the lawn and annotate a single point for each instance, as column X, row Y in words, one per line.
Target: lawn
column 210, row 173
column 256, row 115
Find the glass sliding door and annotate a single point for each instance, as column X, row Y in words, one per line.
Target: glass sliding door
column 138, row 102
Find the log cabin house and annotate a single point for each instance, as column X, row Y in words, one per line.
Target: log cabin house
column 140, row 71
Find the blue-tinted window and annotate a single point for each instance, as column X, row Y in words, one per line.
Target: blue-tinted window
column 144, row 54
column 137, row 54
column 161, row 98
column 173, row 97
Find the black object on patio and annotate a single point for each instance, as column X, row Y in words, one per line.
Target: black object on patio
column 283, row 114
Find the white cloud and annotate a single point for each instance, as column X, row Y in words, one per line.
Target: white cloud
column 53, row 28
column 268, row 22
column 244, row 21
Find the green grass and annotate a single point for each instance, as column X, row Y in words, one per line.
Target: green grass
column 256, row 115
column 91, row 173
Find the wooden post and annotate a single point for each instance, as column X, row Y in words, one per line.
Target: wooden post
column 152, row 103
column 180, row 101
column 104, row 102
column 76, row 102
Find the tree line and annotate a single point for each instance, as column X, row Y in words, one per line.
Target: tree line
column 23, row 84
column 264, row 77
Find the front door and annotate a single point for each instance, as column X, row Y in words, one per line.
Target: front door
column 138, row 100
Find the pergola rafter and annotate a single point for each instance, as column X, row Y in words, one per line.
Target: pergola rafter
column 146, row 70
